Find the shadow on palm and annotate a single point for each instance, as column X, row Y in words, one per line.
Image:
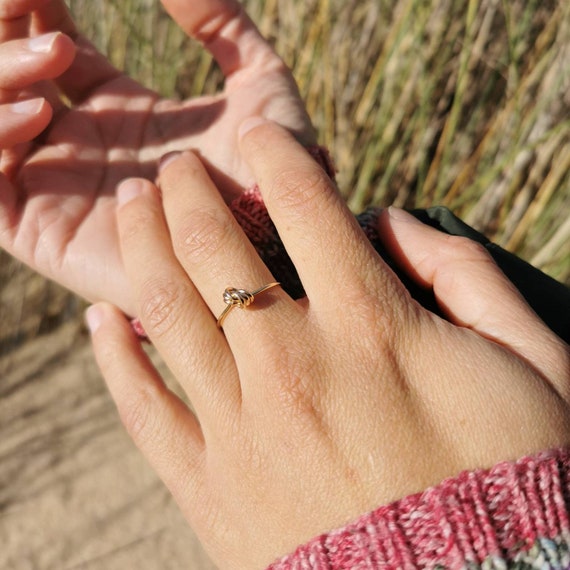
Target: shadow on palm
column 63, row 220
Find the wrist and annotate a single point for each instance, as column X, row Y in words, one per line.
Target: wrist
column 513, row 514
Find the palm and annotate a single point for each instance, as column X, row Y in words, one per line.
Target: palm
column 64, row 225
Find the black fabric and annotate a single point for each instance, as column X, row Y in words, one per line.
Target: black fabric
column 549, row 298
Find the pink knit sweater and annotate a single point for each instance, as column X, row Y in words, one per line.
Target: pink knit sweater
column 513, row 516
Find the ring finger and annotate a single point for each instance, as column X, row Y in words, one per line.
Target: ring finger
column 217, row 255
column 171, row 310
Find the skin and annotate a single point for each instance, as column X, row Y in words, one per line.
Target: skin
column 309, row 413
column 57, row 191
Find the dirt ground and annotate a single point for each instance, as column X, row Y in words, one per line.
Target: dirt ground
column 75, row 494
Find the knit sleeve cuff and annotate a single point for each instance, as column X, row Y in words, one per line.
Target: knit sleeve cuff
column 514, row 515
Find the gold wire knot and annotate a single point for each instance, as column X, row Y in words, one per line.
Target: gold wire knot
column 240, row 298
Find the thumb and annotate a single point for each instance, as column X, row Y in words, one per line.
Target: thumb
column 473, row 292
column 225, row 30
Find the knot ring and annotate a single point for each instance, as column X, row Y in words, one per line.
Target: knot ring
column 241, row 298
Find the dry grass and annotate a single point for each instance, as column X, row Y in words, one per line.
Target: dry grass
column 458, row 102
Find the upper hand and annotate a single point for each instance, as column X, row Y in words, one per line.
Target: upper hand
column 309, row 413
column 57, row 202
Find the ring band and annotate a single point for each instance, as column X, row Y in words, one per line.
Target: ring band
column 241, row 298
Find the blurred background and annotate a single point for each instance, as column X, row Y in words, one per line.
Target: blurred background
column 464, row 103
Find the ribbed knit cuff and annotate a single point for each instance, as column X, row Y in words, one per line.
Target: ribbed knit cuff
column 515, row 515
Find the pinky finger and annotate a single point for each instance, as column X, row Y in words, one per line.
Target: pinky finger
column 160, row 424
column 24, row 120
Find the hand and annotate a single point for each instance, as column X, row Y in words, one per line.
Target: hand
column 310, row 413
column 57, row 203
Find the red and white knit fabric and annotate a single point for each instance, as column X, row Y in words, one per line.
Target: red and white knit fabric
column 513, row 516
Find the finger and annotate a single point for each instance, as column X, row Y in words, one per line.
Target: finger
column 320, row 234
column 225, row 30
column 90, row 68
column 28, row 61
column 216, row 254
column 473, row 292
column 9, row 209
column 42, row 57
column 13, row 9
column 245, row 58
column 160, row 424
column 171, row 310
column 28, row 64
column 14, row 19
column 22, row 121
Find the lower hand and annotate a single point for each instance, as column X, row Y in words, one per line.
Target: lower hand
column 309, row 413
column 57, row 201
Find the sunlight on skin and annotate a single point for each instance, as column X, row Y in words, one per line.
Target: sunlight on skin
column 65, row 212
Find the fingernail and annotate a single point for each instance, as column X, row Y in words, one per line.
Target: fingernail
column 93, row 318
column 27, row 107
column 402, row 216
column 42, row 44
column 166, row 159
column 250, row 124
column 129, row 190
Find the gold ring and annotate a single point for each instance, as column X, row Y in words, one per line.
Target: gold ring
column 240, row 298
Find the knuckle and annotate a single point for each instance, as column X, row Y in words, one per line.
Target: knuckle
column 298, row 192
column 462, row 257
column 380, row 306
column 205, row 232
column 133, row 220
column 465, row 249
column 374, row 304
column 293, row 377
column 136, row 413
column 158, row 306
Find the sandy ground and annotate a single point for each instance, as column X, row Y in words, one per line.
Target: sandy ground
column 74, row 492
